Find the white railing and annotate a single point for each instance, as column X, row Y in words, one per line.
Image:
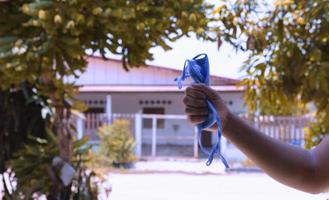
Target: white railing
column 288, row 129
column 94, row 120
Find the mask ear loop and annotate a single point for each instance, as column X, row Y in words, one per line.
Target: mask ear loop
column 202, row 54
column 183, row 76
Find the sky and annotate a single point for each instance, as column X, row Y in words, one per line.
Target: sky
column 223, row 62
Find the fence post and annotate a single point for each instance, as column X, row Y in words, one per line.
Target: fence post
column 138, row 134
column 196, row 146
column 154, row 134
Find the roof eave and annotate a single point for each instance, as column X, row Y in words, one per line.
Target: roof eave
column 118, row 89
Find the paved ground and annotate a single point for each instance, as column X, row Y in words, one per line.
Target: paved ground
column 194, row 166
column 201, row 187
column 181, row 179
column 171, row 150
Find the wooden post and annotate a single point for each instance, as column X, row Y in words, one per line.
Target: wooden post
column 154, row 134
column 138, row 134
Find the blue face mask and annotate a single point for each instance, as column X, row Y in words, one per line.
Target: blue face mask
column 198, row 69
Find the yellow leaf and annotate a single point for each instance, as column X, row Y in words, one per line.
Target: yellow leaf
column 200, row 31
column 298, row 19
column 193, row 17
column 283, row 2
column 70, row 24
column 58, row 19
column 42, row 14
column 97, row 10
column 218, row 9
column 25, row 8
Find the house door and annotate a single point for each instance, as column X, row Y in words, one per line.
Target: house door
column 206, row 138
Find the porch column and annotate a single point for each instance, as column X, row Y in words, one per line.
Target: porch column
column 138, row 134
column 108, row 108
column 79, row 127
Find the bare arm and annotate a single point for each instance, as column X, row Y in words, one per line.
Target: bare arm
column 293, row 166
column 298, row 168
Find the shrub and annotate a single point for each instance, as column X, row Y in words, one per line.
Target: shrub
column 117, row 143
column 31, row 173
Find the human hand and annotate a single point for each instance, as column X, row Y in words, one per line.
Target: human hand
column 196, row 108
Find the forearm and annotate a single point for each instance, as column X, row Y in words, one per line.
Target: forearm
column 287, row 164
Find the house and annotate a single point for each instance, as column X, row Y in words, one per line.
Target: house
column 110, row 91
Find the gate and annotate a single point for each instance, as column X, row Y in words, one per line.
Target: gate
column 167, row 136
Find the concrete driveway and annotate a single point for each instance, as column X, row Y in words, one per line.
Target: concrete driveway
column 171, row 186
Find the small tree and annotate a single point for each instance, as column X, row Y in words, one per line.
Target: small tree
column 288, row 46
column 117, row 142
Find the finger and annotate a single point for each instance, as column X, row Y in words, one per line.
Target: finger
column 196, row 111
column 196, row 119
column 200, row 87
column 190, row 91
column 210, row 93
column 194, row 102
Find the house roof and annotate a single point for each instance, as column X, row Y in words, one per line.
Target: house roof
column 214, row 79
column 109, row 76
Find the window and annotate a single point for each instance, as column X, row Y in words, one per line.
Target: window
column 147, row 123
column 95, row 110
column 154, row 102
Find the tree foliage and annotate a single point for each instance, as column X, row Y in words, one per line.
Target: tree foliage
column 20, row 116
column 44, row 42
column 288, row 46
column 48, row 39
column 32, row 173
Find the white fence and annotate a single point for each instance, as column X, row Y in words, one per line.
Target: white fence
column 94, row 120
column 148, row 141
column 154, row 141
column 289, row 129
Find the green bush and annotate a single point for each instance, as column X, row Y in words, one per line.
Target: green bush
column 30, row 170
column 117, row 143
